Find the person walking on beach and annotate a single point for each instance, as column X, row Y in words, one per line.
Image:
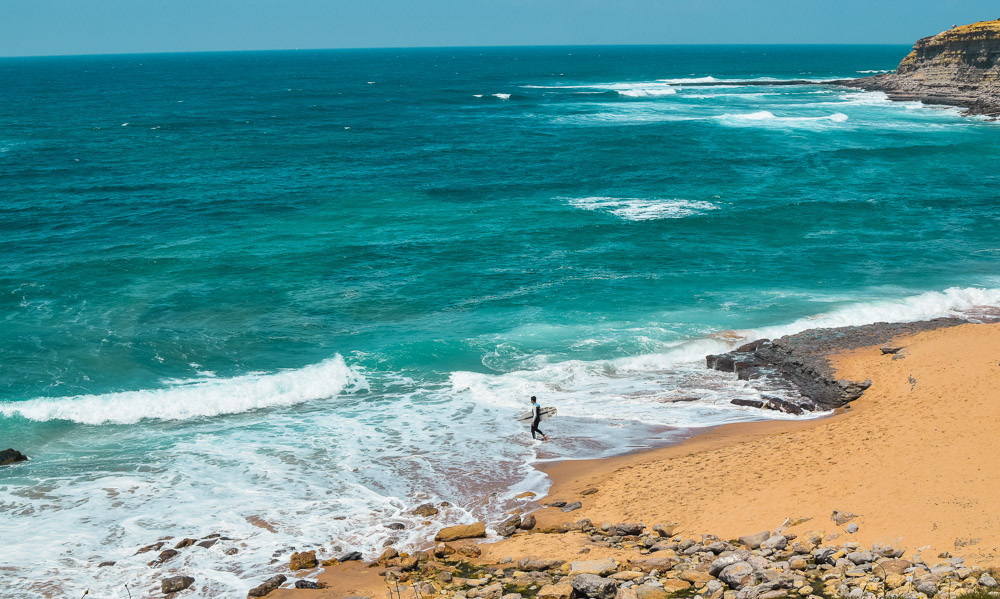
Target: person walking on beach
column 537, row 409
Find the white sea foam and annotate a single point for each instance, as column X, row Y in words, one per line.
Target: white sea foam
column 502, row 96
column 646, row 92
column 954, row 301
column 682, row 80
column 648, row 89
column 640, row 209
column 768, row 118
column 196, row 398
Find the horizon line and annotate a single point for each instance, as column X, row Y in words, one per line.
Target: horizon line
column 495, row 46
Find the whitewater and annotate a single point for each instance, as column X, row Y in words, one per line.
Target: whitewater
column 289, row 308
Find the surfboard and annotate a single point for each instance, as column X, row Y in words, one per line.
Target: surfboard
column 547, row 412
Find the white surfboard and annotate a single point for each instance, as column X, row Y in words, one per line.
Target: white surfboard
column 528, row 416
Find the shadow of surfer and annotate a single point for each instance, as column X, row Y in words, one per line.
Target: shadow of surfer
column 537, row 417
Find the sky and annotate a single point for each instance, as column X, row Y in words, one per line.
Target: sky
column 55, row 27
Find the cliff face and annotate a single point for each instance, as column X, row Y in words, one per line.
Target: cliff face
column 959, row 67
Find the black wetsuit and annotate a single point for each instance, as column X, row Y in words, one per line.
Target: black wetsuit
column 534, row 423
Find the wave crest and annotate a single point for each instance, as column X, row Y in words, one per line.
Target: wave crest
column 197, row 399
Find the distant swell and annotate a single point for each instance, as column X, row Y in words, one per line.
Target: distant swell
column 199, row 399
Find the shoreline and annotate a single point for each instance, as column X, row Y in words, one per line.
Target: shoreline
column 869, row 419
column 875, row 460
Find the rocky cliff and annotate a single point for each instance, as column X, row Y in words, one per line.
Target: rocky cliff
column 958, row 67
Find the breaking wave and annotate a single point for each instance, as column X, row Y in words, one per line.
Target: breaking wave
column 639, row 209
column 767, row 117
column 203, row 398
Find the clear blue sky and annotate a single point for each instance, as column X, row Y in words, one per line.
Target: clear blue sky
column 45, row 27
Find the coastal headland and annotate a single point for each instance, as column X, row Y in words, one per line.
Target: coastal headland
column 894, row 494
column 957, row 67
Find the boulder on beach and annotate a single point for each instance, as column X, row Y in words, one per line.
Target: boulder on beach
column 302, row 561
column 462, row 531
column 539, row 565
column 600, row 567
column 306, row 584
column 738, row 575
column 649, row 564
column 555, row 591
column 754, row 541
column 594, row 587
column 267, row 586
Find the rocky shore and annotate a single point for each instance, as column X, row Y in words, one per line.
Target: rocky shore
column 957, row 67
column 633, row 561
column 799, row 364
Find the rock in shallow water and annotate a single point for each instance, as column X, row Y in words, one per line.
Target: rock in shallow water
column 175, row 584
column 11, row 456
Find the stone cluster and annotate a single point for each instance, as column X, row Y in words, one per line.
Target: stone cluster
column 656, row 563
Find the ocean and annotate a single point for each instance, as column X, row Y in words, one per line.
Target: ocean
column 285, row 297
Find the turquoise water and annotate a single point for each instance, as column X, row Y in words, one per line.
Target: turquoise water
column 303, row 285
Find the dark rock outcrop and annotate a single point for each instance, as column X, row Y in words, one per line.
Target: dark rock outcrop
column 957, row 67
column 306, row 584
column 11, row 456
column 799, row 363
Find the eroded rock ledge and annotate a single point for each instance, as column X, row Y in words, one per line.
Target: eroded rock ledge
column 957, row 67
column 799, row 363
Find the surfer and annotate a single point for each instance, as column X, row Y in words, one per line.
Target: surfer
column 537, row 409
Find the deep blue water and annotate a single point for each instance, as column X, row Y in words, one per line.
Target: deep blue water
column 305, row 284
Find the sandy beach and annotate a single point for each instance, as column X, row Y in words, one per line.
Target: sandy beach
column 913, row 459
